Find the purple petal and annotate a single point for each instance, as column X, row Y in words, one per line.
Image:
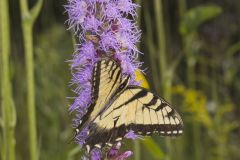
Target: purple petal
column 83, row 100
column 112, row 11
column 124, row 155
column 108, row 41
column 114, row 153
column 81, row 137
column 132, row 135
column 86, row 53
column 96, row 154
column 127, row 6
column 91, row 23
column 77, row 10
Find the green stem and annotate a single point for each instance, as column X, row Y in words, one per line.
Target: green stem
column 30, row 92
column 150, row 44
column 191, row 82
column 182, row 7
column 197, row 141
column 137, row 150
column 139, row 12
column 137, row 145
column 166, row 75
column 8, row 110
column 28, row 19
column 191, row 79
column 180, row 143
column 161, row 40
column 190, row 72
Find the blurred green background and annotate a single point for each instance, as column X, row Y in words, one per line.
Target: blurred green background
column 192, row 55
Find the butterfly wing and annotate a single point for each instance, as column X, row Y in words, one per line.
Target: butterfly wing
column 138, row 110
column 107, row 76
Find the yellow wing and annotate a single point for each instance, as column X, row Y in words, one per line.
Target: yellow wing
column 107, row 77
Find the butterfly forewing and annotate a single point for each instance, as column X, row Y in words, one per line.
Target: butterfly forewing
column 107, row 77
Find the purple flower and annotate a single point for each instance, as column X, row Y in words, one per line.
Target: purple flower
column 96, row 154
column 80, row 138
column 126, row 6
column 77, row 11
column 108, row 41
column 83, row 100
column 85, row 53
column 114, row 153
column 111, row 11
column 104, row 28
column 132, row 135
column 127, row 25
column 91, row 23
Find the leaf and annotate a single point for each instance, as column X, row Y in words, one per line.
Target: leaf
column 235, row 48
column 72, row 153
column 193, row 18
column 153, row 148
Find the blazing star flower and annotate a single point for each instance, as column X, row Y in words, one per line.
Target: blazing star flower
column 114, row 153
column 104, row 29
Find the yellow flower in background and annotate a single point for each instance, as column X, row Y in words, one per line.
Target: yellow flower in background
column 194, row 103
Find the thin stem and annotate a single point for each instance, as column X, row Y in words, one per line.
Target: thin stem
column 28, row 19
column 137, row 145
column 191, row 82
column 161, row 39
column 8, row 120
column 139, row 12
column 30, row 92
column 150, row 44
column 166, row 75
column 182, row 7
column 137, row 150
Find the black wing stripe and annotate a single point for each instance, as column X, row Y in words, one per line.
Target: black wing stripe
column 163, row 117
column 161, row 106
column 140, row 94
column 117, row 77
column 153, row 101
column 113, row 71
column 97, row 80
column 111, row 68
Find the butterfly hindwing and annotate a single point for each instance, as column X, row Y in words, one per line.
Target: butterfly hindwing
column 138, row 110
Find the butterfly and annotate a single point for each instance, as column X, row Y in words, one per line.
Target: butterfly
column 118, row 108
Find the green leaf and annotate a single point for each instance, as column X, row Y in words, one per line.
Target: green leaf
column 193, row 18
column 233, row 49
column 73, row 153
column 153, row 148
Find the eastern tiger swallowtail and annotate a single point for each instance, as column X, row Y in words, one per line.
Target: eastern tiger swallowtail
column 118, row 108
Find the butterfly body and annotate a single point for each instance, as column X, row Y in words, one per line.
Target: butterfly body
column 118, row 108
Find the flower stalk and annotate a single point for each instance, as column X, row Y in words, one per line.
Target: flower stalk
column 166, row 73
column 136, row 143
column 8, row 118
column 28, row 18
